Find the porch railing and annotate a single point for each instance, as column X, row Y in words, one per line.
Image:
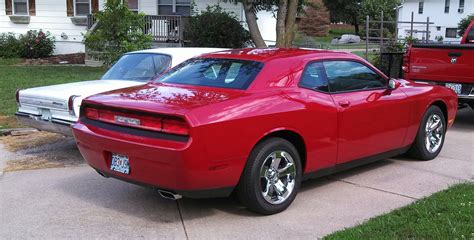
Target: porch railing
column 161, row 28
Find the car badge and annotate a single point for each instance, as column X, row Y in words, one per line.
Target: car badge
column 454, row 60
column 127, row 120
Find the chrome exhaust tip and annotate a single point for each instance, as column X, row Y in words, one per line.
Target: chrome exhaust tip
column 169, row 195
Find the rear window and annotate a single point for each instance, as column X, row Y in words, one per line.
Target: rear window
column 212, row 72
column 138, row 67
column 470, row 36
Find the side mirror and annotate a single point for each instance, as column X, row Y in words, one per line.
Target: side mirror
column 392, row 84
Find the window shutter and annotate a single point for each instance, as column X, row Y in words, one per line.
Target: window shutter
column 8, row 7
column 95, row 5
column 70, row 8
column 32, row 7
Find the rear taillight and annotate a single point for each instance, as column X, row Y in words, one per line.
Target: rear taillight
column 175, row 126
column 17, row 96
column 70, row 103
column 91, row 113
column 406, row 60
column 171, row 125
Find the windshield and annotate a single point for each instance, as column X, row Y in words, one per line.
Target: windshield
column 211, row 72
column 138, row 67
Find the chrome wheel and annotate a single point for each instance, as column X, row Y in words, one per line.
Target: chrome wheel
column 277, row 177
column 434, row 131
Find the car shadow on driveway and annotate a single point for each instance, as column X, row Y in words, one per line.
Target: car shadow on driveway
column 120, row 197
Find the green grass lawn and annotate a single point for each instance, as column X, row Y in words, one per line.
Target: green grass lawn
column 447, row 214
column 20, row 77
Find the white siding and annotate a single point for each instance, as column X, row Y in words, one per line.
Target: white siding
column 236, row 9
column 434, row 9
column 50, row 16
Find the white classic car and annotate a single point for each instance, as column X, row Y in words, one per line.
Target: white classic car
column 55, row 108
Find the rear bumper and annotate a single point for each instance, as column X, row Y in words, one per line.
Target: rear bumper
column 54, row 125
column 467, row 90
column 179, row 167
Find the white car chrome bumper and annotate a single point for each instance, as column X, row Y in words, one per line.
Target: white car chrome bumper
column 53, row 125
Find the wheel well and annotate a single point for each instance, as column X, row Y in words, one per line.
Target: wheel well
column 443, row 108
column 295, row 139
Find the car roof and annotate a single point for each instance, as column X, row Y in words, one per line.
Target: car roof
column 178, row 54
column 268, row 54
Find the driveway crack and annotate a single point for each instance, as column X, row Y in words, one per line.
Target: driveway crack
column 376, row 189
column 182, row 220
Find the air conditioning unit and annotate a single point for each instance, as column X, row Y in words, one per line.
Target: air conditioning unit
column 460, row 10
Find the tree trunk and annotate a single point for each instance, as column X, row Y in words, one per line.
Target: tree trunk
column 251, row 19
column 355, row 22
column 290, row 22
column 281, row 22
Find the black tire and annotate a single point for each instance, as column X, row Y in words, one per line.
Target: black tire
column 250, row 187
column 419, row 149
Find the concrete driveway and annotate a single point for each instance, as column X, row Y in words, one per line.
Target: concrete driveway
column 75, row 202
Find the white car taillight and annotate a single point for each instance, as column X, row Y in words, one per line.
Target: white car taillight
column 70, row 104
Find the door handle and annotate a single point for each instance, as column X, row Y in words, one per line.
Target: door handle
column 454, row 54
column 344, row 103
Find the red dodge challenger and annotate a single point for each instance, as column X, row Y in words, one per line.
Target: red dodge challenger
column 258, row 122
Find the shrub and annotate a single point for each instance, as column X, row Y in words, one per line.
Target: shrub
column 9, row 46
column 214, row 27
column 36, row 44
column 118, row 31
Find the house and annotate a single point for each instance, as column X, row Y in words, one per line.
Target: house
column 445, row 14
column 68, row 20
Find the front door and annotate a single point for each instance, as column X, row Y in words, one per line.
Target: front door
column 371, row 119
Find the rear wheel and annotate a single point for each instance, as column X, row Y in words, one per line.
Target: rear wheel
column 430, row 138
column 271, row 177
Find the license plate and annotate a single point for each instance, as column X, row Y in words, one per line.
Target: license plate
column 45, row 114
column 120, row 163
column 456, row 87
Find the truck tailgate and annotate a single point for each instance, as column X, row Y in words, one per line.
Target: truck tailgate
column 443, row 63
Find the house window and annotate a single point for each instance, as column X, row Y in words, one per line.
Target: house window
column 420, row 7
column 446, row 6
column 82, row 7
column 461, row 6
column 20, row 7
column 174, row 7
column 451, row 32
column 133, row 5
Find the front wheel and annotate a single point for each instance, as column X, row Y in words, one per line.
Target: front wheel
column 430, row 137
column 271, row 177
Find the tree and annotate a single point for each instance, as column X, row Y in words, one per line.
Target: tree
column 118, row 31
column 285, row 11
column 216, row 28
column 316, row 19
column 347, row 11
column 464, row 23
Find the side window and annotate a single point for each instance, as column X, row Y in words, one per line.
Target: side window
column 313, row 77
column 350, row 76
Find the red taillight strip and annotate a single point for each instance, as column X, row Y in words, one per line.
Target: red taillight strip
column 171, row 125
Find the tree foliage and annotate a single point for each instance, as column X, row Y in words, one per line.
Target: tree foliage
column 315, row 21
column 118, row 31
column 347, row 11
column 464, row 23
column 216, row 28
column 355, row 11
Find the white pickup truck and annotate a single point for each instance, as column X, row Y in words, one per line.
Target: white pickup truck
column 55, row 108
